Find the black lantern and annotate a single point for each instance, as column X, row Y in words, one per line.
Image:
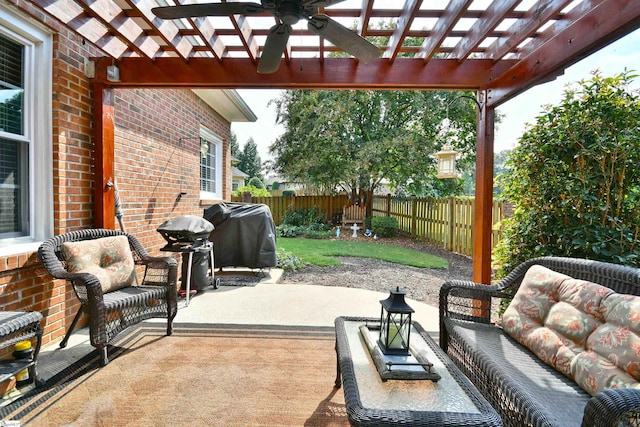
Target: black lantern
column 395, row 323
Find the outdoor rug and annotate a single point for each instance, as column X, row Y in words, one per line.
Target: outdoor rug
column 202, row 375
column 239, row 278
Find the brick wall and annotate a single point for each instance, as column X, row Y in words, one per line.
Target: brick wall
column 157, row 157
column 151, row 169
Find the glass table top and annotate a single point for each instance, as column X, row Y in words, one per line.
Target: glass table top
column 445, row 395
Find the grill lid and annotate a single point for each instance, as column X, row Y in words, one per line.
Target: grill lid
column 185, row 229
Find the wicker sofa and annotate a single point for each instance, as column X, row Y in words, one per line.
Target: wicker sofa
column 513, row 378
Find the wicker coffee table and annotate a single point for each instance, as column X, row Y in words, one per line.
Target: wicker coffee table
column 451, row 401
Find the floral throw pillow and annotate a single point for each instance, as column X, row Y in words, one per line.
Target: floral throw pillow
column 582, row 329
column 108, row 258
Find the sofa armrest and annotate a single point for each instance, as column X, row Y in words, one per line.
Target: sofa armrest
column 612, row 407
column 464, row 300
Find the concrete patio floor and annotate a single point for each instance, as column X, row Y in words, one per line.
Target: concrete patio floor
column 267, row 303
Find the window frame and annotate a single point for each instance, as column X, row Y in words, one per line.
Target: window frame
column 38, row 72
column 215, row 144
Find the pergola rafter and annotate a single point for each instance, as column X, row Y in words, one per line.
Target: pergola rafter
column 403, row 24
column 494, row 14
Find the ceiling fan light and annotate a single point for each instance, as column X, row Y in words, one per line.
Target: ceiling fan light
column 290, row 12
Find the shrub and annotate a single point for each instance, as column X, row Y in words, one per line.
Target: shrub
column 317, row 234
column 574, row 179
column 319, row 226
column 257, row 182
column 288, row 193
column 384, row 226
column 303, row 216
column 255, row 192
column 287, row 230
column 287, row 261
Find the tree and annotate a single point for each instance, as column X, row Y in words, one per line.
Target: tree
column 235, row 147
column 499, row 171
column 351, row 140
column 574, row 179
column 250, row 162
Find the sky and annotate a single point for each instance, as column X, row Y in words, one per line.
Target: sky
column 523, row 109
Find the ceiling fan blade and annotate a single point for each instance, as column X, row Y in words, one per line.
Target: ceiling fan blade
column 320, row 3
column 274, row 47
column 207, row 9
column 343, row 38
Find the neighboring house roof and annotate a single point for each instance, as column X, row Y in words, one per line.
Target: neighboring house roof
column 275, row 178
column 228, row 103
column 237, row 173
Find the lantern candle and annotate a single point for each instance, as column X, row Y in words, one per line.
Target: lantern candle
column 394, row 338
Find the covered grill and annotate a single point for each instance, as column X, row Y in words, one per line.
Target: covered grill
column 244, row 235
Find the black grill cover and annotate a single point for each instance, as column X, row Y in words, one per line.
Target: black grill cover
column 244, row 235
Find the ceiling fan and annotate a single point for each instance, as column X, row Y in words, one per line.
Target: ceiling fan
column 289, row 13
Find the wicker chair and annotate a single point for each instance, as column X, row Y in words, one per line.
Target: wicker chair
column 522, row 388
column 113, row 311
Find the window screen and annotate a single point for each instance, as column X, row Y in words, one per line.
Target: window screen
column 13, row 152
column 12, row 187
column 11, row 87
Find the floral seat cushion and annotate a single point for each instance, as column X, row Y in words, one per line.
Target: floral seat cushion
column 582, row 329
column 108, row 258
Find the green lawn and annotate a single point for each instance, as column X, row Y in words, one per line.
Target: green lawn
column 322, row 252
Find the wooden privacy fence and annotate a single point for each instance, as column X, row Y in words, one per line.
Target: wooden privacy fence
column 446, row 223
column 328, row 205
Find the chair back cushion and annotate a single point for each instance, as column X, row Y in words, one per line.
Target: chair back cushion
column 584, row 330
column 108, row 258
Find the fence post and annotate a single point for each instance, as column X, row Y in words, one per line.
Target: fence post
column 388, row 204
column 330, row 214
column 414, row 217
column 452, row 226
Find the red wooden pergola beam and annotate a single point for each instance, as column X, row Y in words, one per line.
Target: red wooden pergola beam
column 606, row 22
column 484, row 192
column 305, row 73
column 104, row 139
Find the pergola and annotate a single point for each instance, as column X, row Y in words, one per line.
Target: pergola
column 497, row 48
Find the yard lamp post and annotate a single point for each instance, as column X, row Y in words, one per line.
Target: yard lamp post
column 395, row 324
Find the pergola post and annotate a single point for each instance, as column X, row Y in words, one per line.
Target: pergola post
column 484, row 192
column 104, row 138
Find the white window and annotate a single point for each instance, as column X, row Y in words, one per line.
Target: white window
column 26, row 178
column 210, row 165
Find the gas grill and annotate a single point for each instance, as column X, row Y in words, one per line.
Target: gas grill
column 189, row 235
